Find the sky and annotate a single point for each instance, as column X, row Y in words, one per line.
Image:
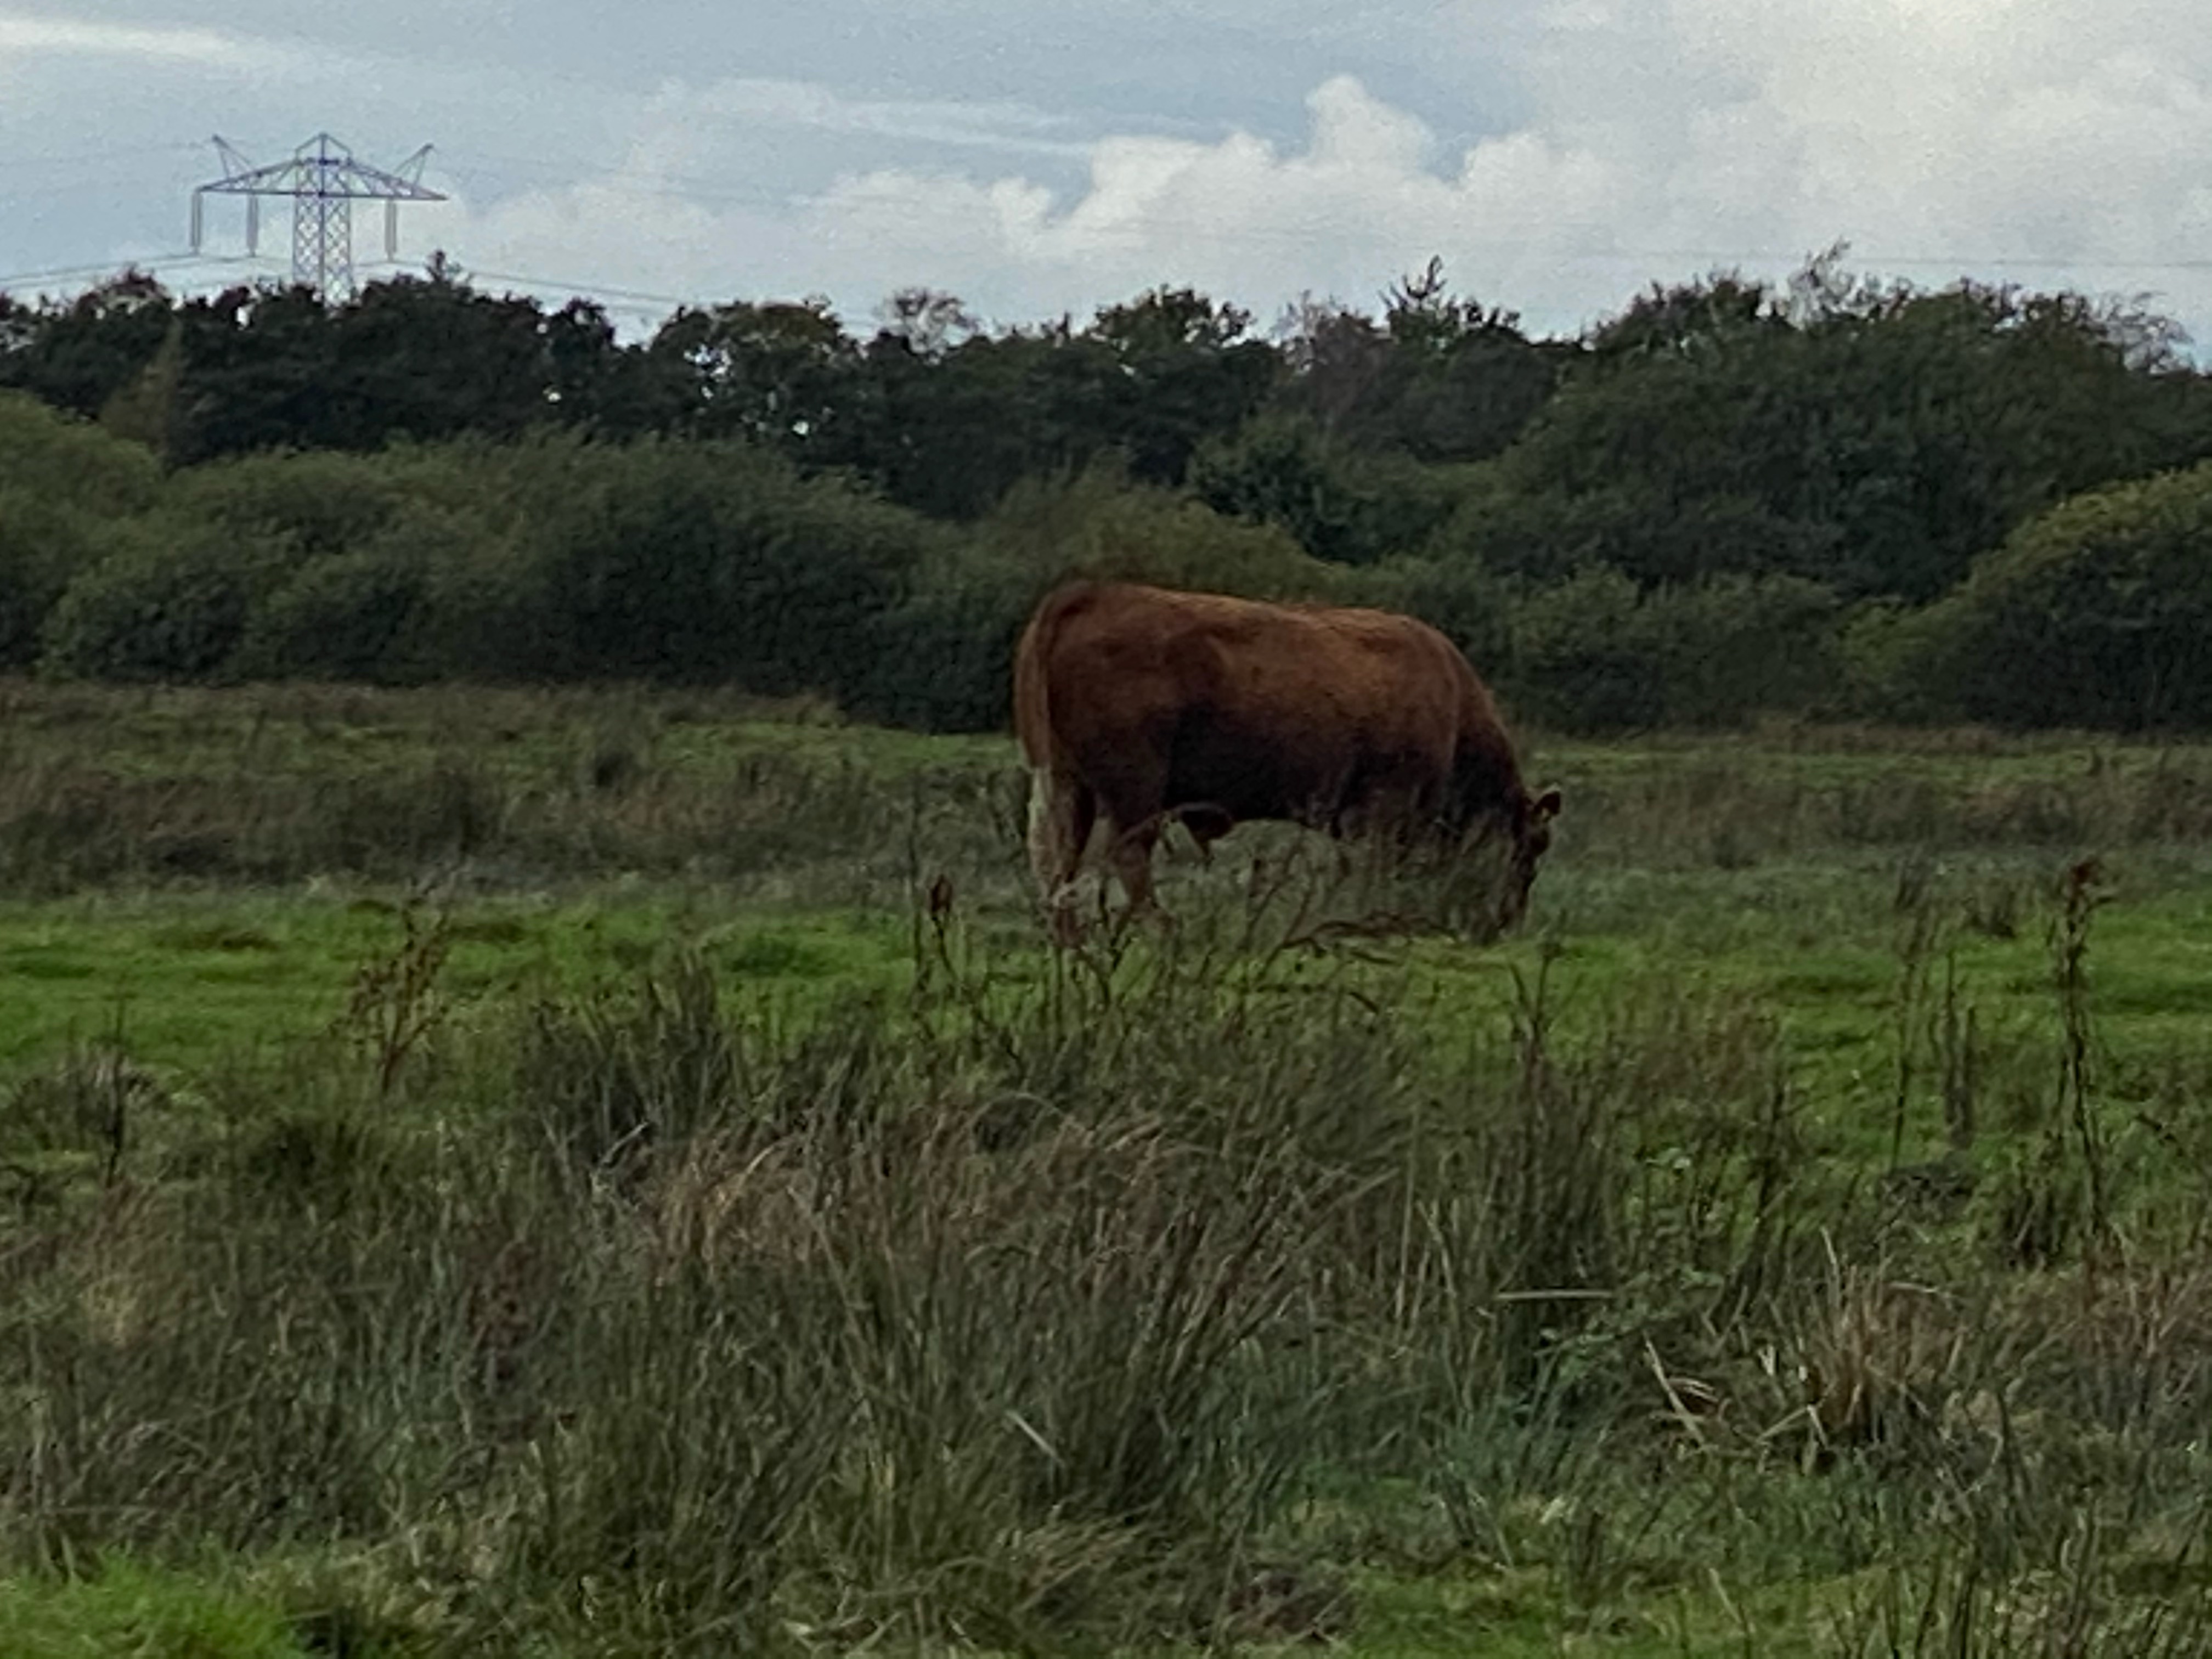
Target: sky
column 1559, row 156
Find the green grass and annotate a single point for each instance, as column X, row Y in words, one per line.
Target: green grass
column 187, row 982
column 191, row 979
column 125, row 1610
column 679, row 953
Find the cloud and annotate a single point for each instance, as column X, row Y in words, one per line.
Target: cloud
column 27, row 35
column 2056, row 142
column 990, row 124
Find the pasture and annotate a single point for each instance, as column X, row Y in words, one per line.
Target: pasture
column 597, row 1172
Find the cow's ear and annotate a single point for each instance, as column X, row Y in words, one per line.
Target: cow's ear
column 1546, row 806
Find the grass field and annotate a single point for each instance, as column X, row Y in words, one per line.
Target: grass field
column 532, row 1173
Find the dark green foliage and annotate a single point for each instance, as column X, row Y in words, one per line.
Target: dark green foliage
column 949, row 433
column 424, row 360
column 338, row 618
column 172, row 601
column 1177, row 369
column 72, row 462
column 1874, row 439
column 492, row 491
column 44, row 545
column 1576, row 656
column 1630, row 526
column 944, row 649
column 63, row 485
column 1594, row 653
column 78, row 356
column 947, row 425
column 777, row 374
column 717, row 563
column 319, row 504
column 1345, row 506
column 2098, row 613
column 1439, row 381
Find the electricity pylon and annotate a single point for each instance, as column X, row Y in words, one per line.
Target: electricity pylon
column 325, row 181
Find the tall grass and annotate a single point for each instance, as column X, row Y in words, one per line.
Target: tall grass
column 1142, row 1292
column 1053, row 1301
column 105, row 785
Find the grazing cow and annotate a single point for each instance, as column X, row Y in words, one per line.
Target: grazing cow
column 1136, row 705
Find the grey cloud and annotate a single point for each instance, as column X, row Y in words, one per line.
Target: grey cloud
column 1561, row 154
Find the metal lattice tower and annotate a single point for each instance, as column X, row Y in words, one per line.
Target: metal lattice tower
column 324, row 181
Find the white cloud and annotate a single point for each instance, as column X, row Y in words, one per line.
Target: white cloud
column 1855, row 124
column 27, row 35
column 1616, row 143
column 991, row 123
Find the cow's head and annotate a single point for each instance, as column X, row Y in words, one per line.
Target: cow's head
column 1532, row 837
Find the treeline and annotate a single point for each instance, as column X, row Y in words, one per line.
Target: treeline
column 1828, row 496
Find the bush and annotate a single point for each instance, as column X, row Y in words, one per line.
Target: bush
column 1887, row 653
column 946, row 649
column 713, row 563
column 2098, row 613
column 1595, row 653
column 1631, row 527
column 1342, row 506
column 1470, row 606
column 322, row 503
column 171, row 604
column 44, row 544
column 1098, row 524
column 428, row 592
column 49, row 455
column 1577, row 663
column 336, row 619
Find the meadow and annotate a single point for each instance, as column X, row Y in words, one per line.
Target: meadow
column 600, row 1171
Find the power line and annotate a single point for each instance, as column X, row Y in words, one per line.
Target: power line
column 1301, row 228
column 146, row 262
column 2010, row 262
column 129, row 152
column 592, row 289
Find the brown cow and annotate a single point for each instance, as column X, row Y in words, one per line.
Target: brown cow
column 1141, row 705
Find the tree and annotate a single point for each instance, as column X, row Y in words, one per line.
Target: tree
column 1343, row 505
column 1178, row 369
column 776, row 373
column 147, row 410
column 1876, row 438
column 2097, row 613
column 1439, row 379
column 79, row 355
column 704, row 562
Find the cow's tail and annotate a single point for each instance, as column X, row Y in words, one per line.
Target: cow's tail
column 1032, row 695
column 1055, row 815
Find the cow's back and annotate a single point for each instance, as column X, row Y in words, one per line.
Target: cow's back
column 1259, row 710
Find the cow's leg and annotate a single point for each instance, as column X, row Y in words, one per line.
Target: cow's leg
column 1062, row 812
column 1129, row 853
column 1132, row 790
